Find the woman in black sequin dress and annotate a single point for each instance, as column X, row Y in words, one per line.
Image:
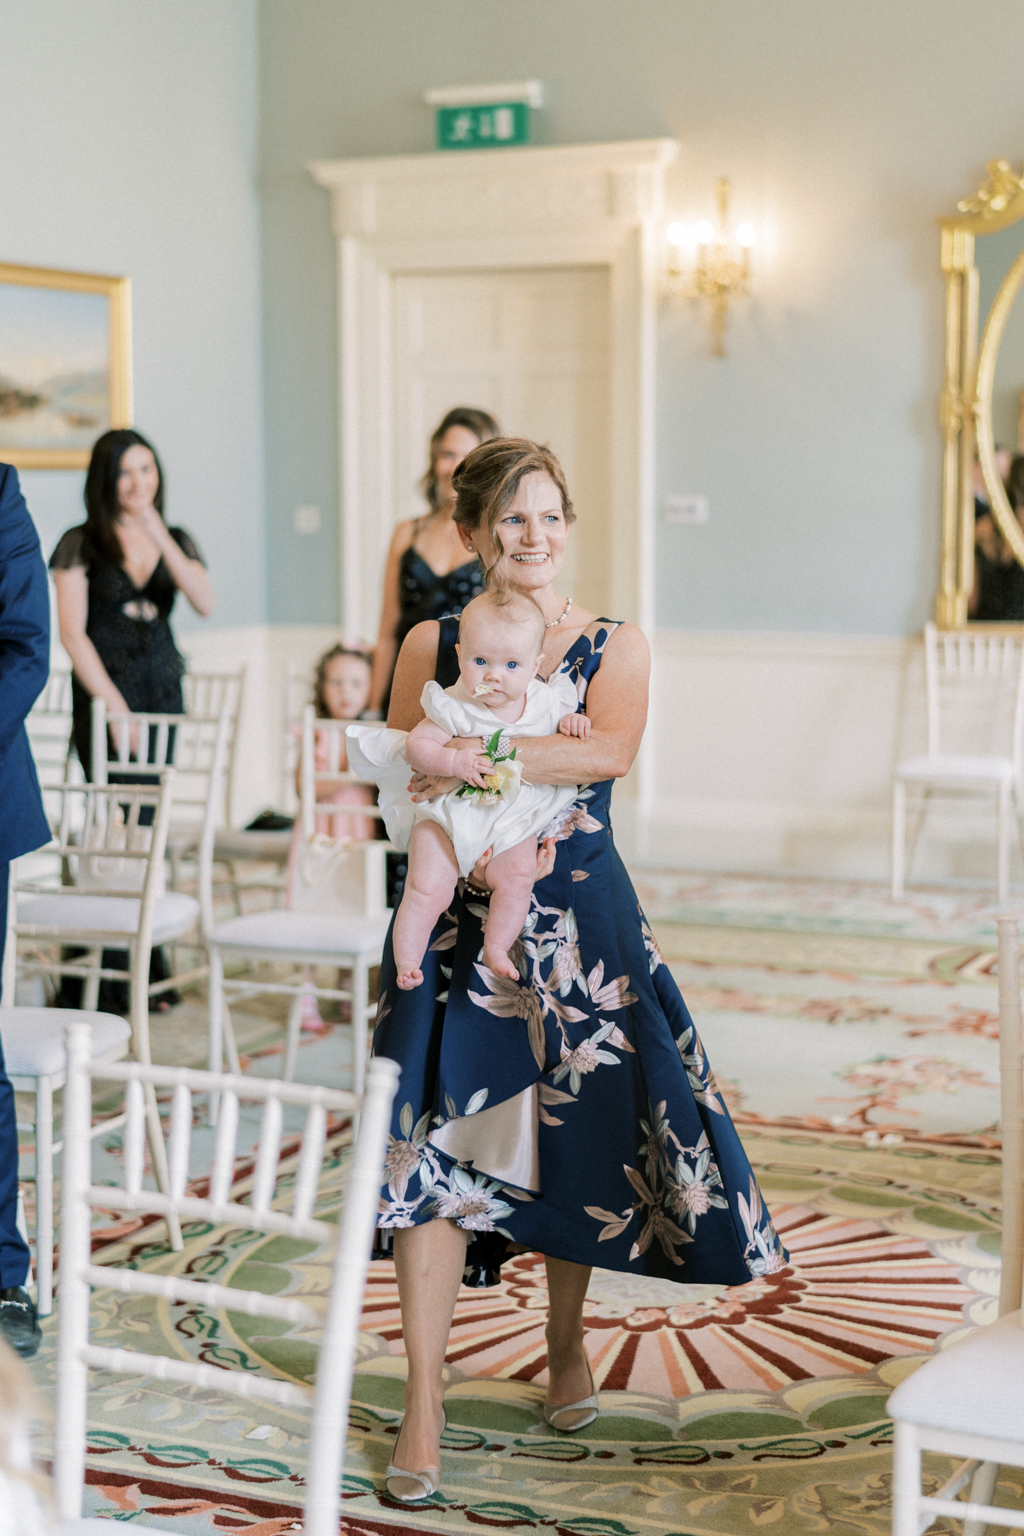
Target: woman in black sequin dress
column 427, row 573
column 117, row 576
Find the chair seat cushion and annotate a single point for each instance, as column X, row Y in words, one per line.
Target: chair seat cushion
column 240, row 844
column 175, row 914
column 974, row 1386
column 987, row 770
column 33, row 1038
column 304, row 933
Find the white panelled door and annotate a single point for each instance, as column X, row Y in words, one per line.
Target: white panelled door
column 532, row 347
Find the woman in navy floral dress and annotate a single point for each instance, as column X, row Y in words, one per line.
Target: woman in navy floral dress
column 571, row 1112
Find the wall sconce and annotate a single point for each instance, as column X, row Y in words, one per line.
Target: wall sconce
column 722, row 270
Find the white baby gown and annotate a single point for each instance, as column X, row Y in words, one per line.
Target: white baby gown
column 376, row 753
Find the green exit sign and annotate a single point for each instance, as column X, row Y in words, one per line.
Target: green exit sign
column 485, row 127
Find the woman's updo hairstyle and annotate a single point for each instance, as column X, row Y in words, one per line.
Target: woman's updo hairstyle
column 486, row 483
column 483, row 427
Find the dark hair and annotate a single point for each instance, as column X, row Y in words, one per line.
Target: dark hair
column 1015, row 482
column 102, row 507
column 487, row 480
column 483, row 427
column 319, row 702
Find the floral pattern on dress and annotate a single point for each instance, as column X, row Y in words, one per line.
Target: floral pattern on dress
column 638, row 1164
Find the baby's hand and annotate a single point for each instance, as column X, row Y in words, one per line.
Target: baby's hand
column 473, row 765
column 575, row 725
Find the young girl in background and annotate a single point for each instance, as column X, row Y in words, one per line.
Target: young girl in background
column 341, row 691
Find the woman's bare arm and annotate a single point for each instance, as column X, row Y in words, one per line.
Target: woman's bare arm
column 386, row 649
column 417, row 663
column 72, row 613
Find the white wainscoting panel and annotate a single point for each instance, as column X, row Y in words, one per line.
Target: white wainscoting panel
column 767, row 753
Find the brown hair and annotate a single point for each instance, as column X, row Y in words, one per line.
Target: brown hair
column 483, row 427
column 507, row 602
column 487, row 480
column 319, row 702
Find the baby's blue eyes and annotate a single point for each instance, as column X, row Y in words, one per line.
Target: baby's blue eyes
column 478, row 661
column 512, row 665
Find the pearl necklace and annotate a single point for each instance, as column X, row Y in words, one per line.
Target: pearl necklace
column 564, row 614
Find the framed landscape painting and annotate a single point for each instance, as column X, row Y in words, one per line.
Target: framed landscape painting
column 65, row 364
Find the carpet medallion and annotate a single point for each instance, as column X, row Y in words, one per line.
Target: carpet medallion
column 719, row 1406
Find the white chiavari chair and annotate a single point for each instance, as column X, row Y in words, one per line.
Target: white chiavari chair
column 975, row 697
column 336, row 915
column 968, row 1400
column 327, row 1403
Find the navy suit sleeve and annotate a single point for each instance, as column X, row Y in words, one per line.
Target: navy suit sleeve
column 24, row 612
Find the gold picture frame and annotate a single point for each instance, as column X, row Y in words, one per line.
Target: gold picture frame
column 966, row 402
column 65, row 364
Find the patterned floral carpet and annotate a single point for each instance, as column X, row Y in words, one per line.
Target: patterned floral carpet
column 867, row 1102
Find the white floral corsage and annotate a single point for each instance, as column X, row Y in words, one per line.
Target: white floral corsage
column 503, row 782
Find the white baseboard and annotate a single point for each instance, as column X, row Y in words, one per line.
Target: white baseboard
column 764, row 753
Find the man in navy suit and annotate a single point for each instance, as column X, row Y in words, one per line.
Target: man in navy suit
column 24, row 665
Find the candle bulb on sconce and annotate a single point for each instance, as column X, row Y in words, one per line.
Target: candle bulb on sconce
column 722, row 270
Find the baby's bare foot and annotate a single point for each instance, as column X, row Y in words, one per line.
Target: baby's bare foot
column 409, row 976
column 498, row 962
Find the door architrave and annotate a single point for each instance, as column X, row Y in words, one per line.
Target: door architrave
column 545, row 206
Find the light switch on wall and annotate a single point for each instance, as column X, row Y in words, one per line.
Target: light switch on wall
column 307, row 519
column 685, row 509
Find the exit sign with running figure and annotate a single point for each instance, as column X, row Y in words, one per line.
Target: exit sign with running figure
column 484, row 116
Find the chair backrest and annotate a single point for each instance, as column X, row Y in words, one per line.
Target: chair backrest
column 328, row 1402
column 298, row 693
column 331, row 735
column 197, row 746
column 101, row 835
column 49, row 730
column 975, row 693
column 207, row 693
column 1011, row 1098
column 331, row 871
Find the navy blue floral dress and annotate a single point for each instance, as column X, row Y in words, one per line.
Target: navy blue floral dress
column 572, row 1112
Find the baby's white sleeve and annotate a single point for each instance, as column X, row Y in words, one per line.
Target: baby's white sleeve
column 564, row 689
column 438, row 705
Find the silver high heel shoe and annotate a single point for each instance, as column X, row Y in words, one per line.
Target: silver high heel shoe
column 410, row 1487
column 585, row 1410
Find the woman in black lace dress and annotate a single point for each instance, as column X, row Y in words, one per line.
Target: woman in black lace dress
column 427, row 573
column 117, row 576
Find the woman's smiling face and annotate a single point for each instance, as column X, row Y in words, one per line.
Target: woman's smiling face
column 532, row 533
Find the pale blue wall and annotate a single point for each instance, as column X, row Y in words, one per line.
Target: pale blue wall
column 128, row 145
column 846, row 130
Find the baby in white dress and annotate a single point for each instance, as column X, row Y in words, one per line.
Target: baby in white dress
column 501, row 637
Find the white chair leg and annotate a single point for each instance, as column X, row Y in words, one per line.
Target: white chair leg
column 44, row 1195
column 230, row 1044
column 292, row 1047
column 216, row 1010
column 1003, row 878
column 360, row 987
column 91, row 986
column 899, row 834
column 158, row 1152
column 983, row 1490
column 21, row 1225
column 906, row 1481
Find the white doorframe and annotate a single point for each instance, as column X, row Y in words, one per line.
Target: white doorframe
column 575, row 205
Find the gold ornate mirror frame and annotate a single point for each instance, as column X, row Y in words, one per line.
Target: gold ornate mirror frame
column 966, row 402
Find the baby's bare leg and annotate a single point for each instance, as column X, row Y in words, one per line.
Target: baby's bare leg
column 429, row 888
column 510, row 875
